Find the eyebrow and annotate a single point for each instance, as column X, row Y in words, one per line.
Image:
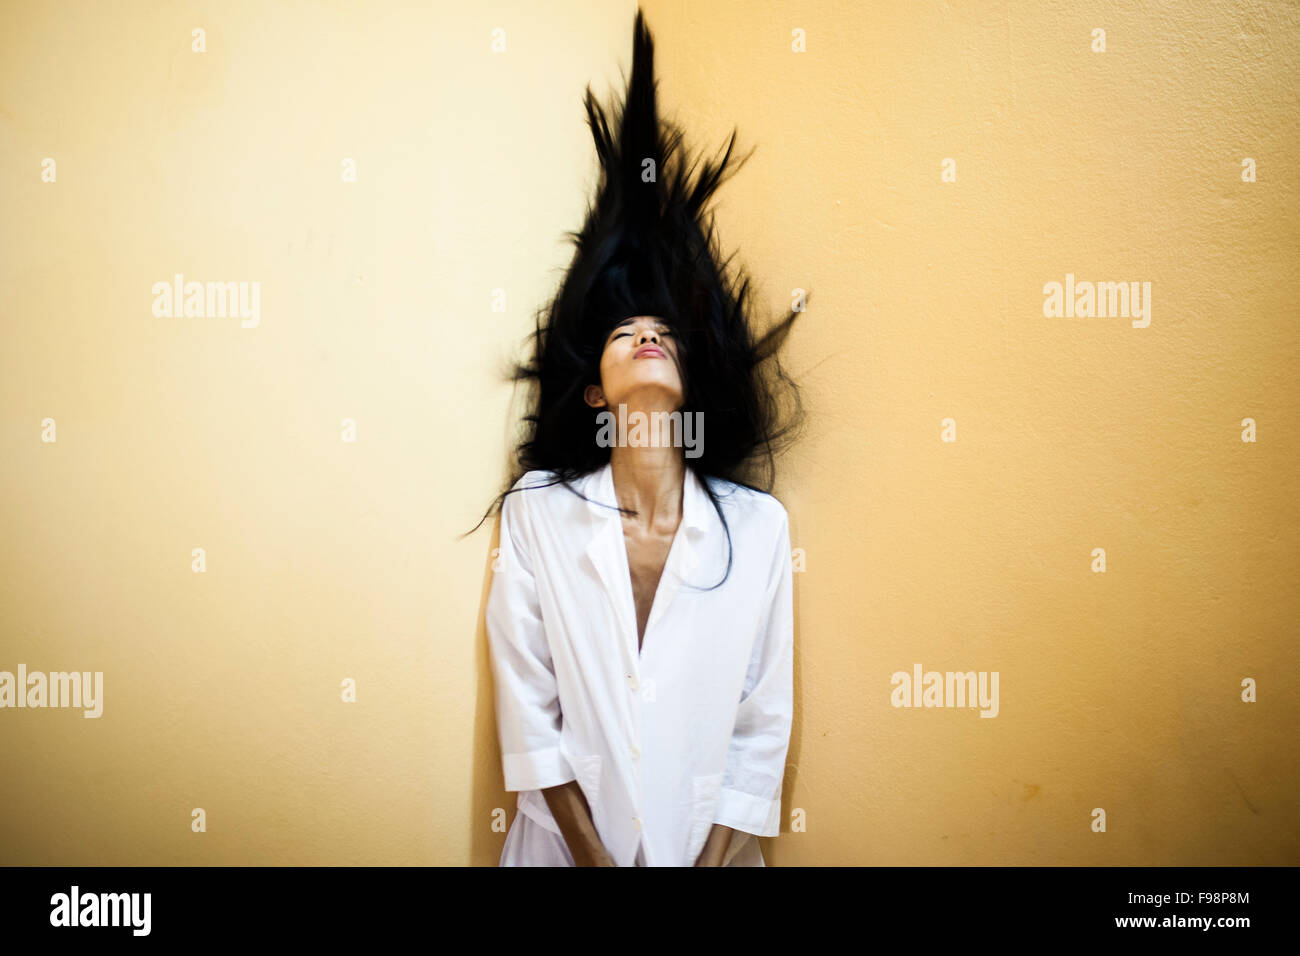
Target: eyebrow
column 632, row 318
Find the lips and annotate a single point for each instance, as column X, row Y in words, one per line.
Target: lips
column 648, row 351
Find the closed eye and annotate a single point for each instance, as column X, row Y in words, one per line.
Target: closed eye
column 661, row 332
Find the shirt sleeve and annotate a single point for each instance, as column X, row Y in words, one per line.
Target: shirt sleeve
column 751, row 783
column 527, row 697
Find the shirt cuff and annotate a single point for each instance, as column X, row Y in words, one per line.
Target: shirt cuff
column 536, row 770
column 744, row 811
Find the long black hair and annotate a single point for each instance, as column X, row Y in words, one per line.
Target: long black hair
column 648, row 247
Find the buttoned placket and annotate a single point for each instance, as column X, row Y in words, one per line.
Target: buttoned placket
column 634, row 706
column 681, row 560
column 608, row 553
column 608, row 550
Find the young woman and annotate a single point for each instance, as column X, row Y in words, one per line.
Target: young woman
column 640, row 616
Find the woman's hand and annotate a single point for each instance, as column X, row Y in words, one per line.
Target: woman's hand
column 592, row 855
column 715, row 847
column 572, row 814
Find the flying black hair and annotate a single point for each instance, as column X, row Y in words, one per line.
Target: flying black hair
column 648, row 247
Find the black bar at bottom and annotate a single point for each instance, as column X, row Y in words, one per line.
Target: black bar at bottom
column 366, row 904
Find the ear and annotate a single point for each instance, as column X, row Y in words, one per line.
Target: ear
column 593, row 396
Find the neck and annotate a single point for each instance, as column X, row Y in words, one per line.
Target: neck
column 650, row 481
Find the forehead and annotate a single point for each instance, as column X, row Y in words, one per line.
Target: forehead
column 638, row 319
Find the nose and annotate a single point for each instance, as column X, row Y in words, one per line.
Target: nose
column 647, row 335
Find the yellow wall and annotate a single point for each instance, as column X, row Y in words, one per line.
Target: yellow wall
column 329, row 560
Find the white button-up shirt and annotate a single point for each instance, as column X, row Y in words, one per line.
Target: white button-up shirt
column 665, row 741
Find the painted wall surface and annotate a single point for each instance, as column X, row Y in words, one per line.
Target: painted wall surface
column 1102, row 510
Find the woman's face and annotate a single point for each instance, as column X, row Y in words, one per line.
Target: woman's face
column 640, row 367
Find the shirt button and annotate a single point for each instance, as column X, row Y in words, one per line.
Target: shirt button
column 636, row 752
column 631, row 681
column 636, row 822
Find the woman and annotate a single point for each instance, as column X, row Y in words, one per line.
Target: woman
column 644, row 713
